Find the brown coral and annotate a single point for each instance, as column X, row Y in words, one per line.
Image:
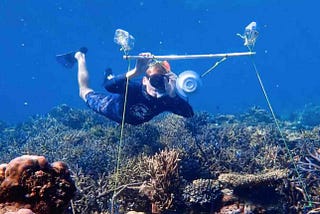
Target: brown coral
column 31, row 182
column 259, row 193
column 2, row 171
column 163, row 183
column 237, row 180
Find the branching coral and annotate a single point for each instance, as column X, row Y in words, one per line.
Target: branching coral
column 311, row 163
column 91, row 195
column 256, row 115
column 309, row 116
column 155, row 177
column 72, row 117
column 141, row 139
column 173, row 133
column 164, row 179
column 310, row 170
column 208, row 145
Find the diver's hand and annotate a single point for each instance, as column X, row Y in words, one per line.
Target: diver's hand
column 141, row 66
column 171, row 84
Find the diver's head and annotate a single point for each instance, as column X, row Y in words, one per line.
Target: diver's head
column 157, row 79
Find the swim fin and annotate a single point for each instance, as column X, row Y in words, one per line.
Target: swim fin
column 108, row 72
column 107, row 76
column 67, row 59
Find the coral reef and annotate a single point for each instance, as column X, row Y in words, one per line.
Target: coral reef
column 309, row 116
column 310, row 170
column 202, row 194
column 163, row 181
column 30, row 182
column 213, row 163
column 152, row 181
column 236, row 180
column 93, row 192
column 256, row 192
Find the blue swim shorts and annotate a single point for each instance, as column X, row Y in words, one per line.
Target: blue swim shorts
column 107, row 105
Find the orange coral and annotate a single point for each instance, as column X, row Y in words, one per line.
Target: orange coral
column 31, row 182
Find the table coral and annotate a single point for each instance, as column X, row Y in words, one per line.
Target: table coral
column 31, row 182
column 237, row 180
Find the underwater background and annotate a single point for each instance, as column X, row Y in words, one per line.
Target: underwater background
column 33, row 32
column 232, row 156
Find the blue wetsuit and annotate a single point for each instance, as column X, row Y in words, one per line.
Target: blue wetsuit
column 141, row 107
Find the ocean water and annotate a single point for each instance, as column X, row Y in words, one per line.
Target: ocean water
column 33, row 32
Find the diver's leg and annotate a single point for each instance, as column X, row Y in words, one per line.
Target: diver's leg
column 106, row 105
column 83, row 75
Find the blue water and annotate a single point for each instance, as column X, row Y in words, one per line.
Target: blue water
column 33, row 32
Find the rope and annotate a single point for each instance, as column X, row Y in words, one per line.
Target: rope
column 204, row 74
column 213, row 67
column 121, row 139
column 308, row 198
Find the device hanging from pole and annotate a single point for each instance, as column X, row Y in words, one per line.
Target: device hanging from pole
column 250, row 35
column 124, row 39
column 188, row 82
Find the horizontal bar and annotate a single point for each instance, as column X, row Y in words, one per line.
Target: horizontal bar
column 195, row 56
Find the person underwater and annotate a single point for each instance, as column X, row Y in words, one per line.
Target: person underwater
column 153, row 95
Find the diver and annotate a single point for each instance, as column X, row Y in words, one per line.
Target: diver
column 156, row 93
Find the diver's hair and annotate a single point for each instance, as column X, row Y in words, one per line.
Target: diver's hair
column 162, row 67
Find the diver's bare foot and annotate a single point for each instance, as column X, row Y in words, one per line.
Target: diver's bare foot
column 79, row 56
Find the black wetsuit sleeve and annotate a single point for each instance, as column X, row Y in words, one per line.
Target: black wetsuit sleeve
column 118, row 83
column 182, row 108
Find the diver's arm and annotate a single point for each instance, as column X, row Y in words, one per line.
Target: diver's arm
column 116, row 84
column 182, row 108
column 140, row 68
column 132, row 73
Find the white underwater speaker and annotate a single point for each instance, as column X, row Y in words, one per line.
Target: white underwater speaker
column 188, row 83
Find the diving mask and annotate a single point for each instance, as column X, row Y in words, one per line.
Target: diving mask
column 158, row 81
